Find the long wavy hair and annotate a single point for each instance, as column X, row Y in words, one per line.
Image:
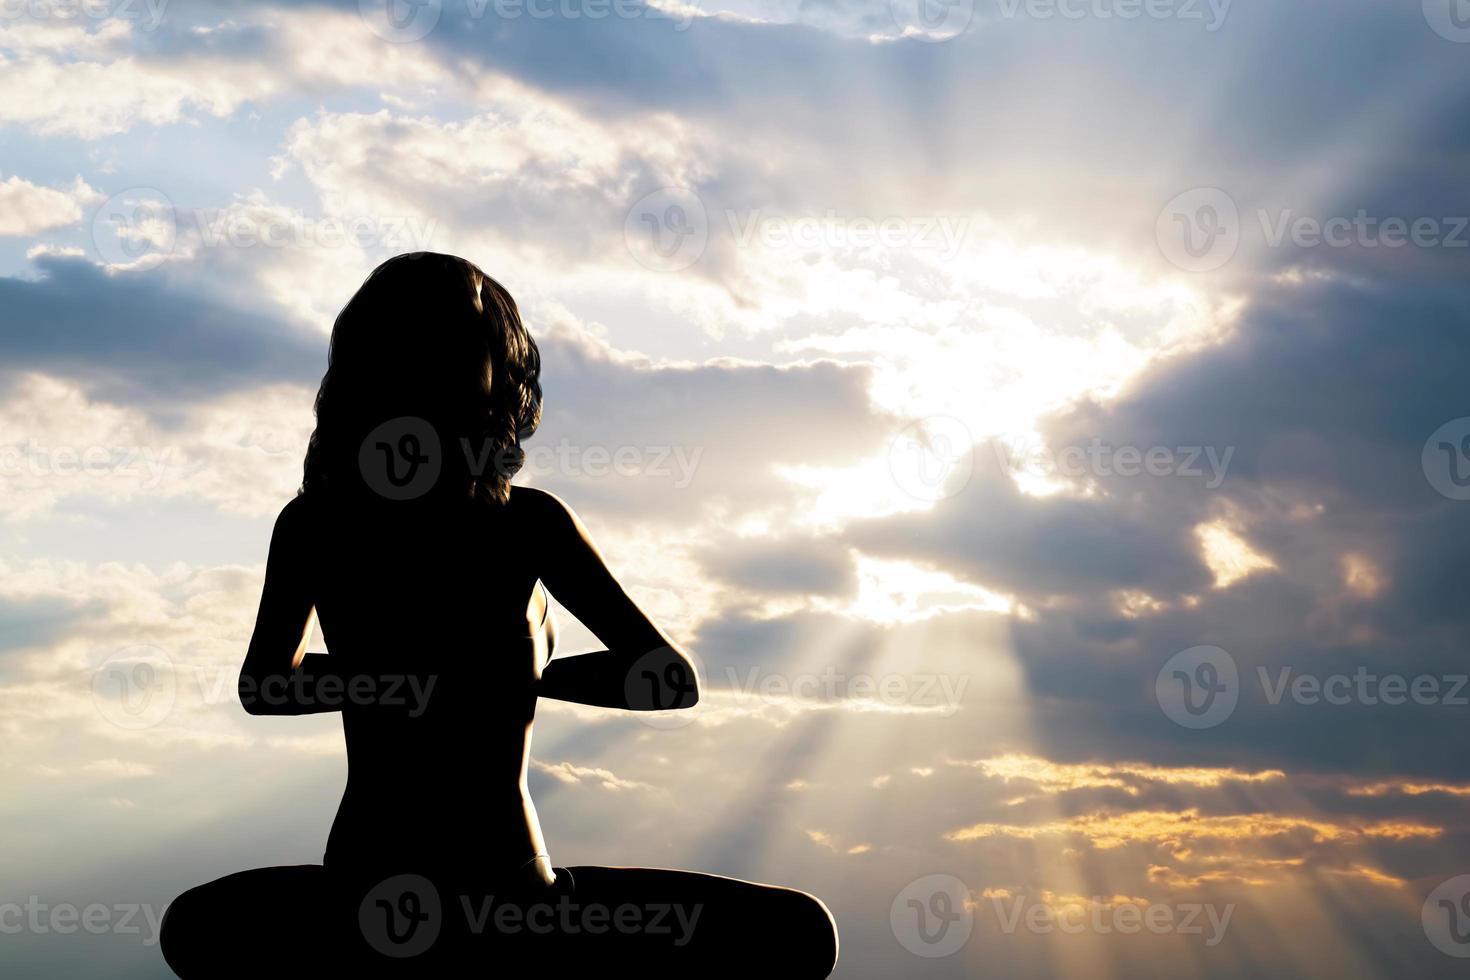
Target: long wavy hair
column 428, row 337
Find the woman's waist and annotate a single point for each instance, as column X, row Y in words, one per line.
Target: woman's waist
column 484, row 838
column 437, row 798
column 468, row 874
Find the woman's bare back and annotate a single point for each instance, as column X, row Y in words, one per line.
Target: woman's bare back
column 440, row 609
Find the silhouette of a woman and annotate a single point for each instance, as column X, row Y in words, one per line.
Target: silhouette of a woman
column 429, row 573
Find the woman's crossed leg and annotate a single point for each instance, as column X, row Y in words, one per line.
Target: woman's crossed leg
column 305, row 921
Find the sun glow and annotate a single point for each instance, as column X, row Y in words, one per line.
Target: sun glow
column 906, row 592
column 1228, row 554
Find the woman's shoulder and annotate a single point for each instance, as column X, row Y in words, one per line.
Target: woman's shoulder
column 540, row 508
column 533, row 502
column 529, row 508
column 294, row 517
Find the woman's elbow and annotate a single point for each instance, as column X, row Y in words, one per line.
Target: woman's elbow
column 253, row 693
column 246, row 690
column 688, row 695
column 664, row 679
column 694, row 687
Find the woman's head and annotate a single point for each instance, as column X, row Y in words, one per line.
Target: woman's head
column 431, row 346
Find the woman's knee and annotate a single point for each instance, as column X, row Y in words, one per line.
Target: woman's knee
column 812, row 950
column 220, row 929
column 183, row 934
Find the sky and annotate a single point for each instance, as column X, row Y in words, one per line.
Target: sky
column 1046, row 422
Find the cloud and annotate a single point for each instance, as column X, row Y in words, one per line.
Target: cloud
column 802, row 566
column 67, row 80
column 706, row 436
column 28, row 622
column 1187, row 827
column 1115, row 579
column 993, row 535
column 142, row 338
column 571, row 774
column 1051, row 777
column 240, row 451
column 26, row 209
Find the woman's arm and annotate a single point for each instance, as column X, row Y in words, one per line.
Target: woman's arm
column 279, row 677
column 641, row 669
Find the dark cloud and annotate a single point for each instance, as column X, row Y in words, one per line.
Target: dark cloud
column 992, row 534
column 1327, row 390
column 1326, row 393
column 139, row 337
column 1251, row 107
column 805, row 566
column 693, row 436
column 27, row 624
